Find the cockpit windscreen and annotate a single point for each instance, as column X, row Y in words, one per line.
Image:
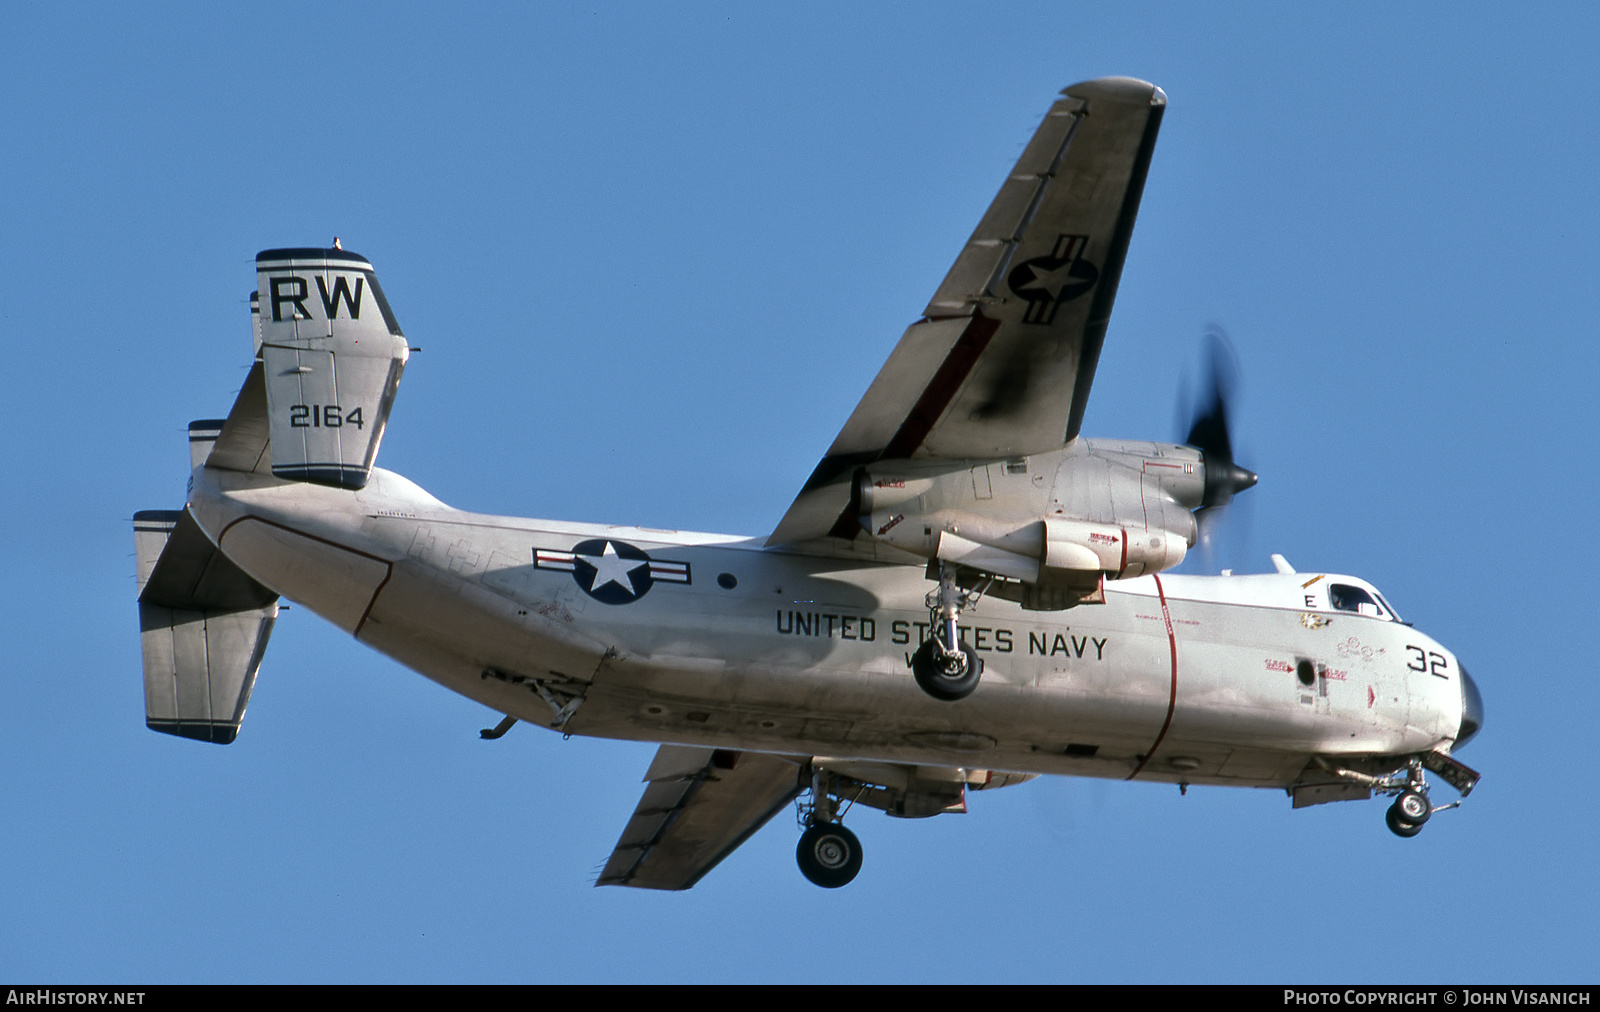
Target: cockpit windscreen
column 1344, row 597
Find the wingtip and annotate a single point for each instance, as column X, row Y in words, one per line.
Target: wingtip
column 1117, row 89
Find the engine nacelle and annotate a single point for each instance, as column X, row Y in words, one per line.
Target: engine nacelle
column 1032, row 552
column 1089, row 510
column 1075, row 544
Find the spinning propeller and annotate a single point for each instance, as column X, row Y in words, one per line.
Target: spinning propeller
column 1208, row 433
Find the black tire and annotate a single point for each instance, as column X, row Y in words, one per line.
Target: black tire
column 829, row 855
column 1413, row 807
column 941, row 682
column 1398, row 825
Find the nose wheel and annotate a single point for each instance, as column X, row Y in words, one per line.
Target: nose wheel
column 1411, row 809
column 1399, row 826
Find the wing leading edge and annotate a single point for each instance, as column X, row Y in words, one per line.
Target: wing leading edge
column 1001, row 362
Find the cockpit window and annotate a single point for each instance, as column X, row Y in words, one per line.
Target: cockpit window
column 1344, row 597
column 1388, row 607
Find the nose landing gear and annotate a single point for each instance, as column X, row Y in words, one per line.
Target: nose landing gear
column 1409, row 788
column 1411, row 808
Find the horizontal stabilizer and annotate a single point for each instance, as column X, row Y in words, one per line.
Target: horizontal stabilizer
column 202, row 437
column 203, row 626
column 331, row 353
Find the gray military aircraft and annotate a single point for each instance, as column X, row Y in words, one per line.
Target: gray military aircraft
column 965, row 594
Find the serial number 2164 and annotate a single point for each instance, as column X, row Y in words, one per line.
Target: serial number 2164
column 323, row 416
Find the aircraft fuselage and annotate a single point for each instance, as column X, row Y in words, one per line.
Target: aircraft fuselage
column 700, row 639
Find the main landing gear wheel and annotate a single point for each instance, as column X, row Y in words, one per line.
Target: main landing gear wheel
column 829, row 854
column 945, row 667
column 943, row 675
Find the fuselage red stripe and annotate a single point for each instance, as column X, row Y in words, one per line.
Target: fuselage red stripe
column 1172, row 696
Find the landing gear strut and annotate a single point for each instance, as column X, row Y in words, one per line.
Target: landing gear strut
column 829, row 854
column 945, row 667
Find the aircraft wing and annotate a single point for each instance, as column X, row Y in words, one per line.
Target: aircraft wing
column 699, row 806
column 1001, row 362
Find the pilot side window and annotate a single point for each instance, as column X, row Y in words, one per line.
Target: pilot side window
column 1344, row 597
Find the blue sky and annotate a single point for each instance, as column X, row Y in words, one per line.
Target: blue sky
column 653, row 257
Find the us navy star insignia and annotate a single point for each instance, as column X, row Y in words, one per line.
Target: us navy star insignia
column 609, row 568
column 1049, row 280
column 1046, row 283
column 611, row 571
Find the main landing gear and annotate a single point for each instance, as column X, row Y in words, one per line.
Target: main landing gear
column 829, row 854
column 945, row 667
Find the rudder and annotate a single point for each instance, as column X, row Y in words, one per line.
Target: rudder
column 331, row 354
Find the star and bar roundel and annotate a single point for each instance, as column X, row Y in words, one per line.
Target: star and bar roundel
column 611, row 571
column 1047, row 283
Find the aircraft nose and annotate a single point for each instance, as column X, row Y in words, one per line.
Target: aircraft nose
column 1471, row 710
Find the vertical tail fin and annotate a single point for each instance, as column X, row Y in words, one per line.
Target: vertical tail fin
column 331, row 354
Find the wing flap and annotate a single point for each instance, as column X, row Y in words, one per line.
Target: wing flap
column 698, row 806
